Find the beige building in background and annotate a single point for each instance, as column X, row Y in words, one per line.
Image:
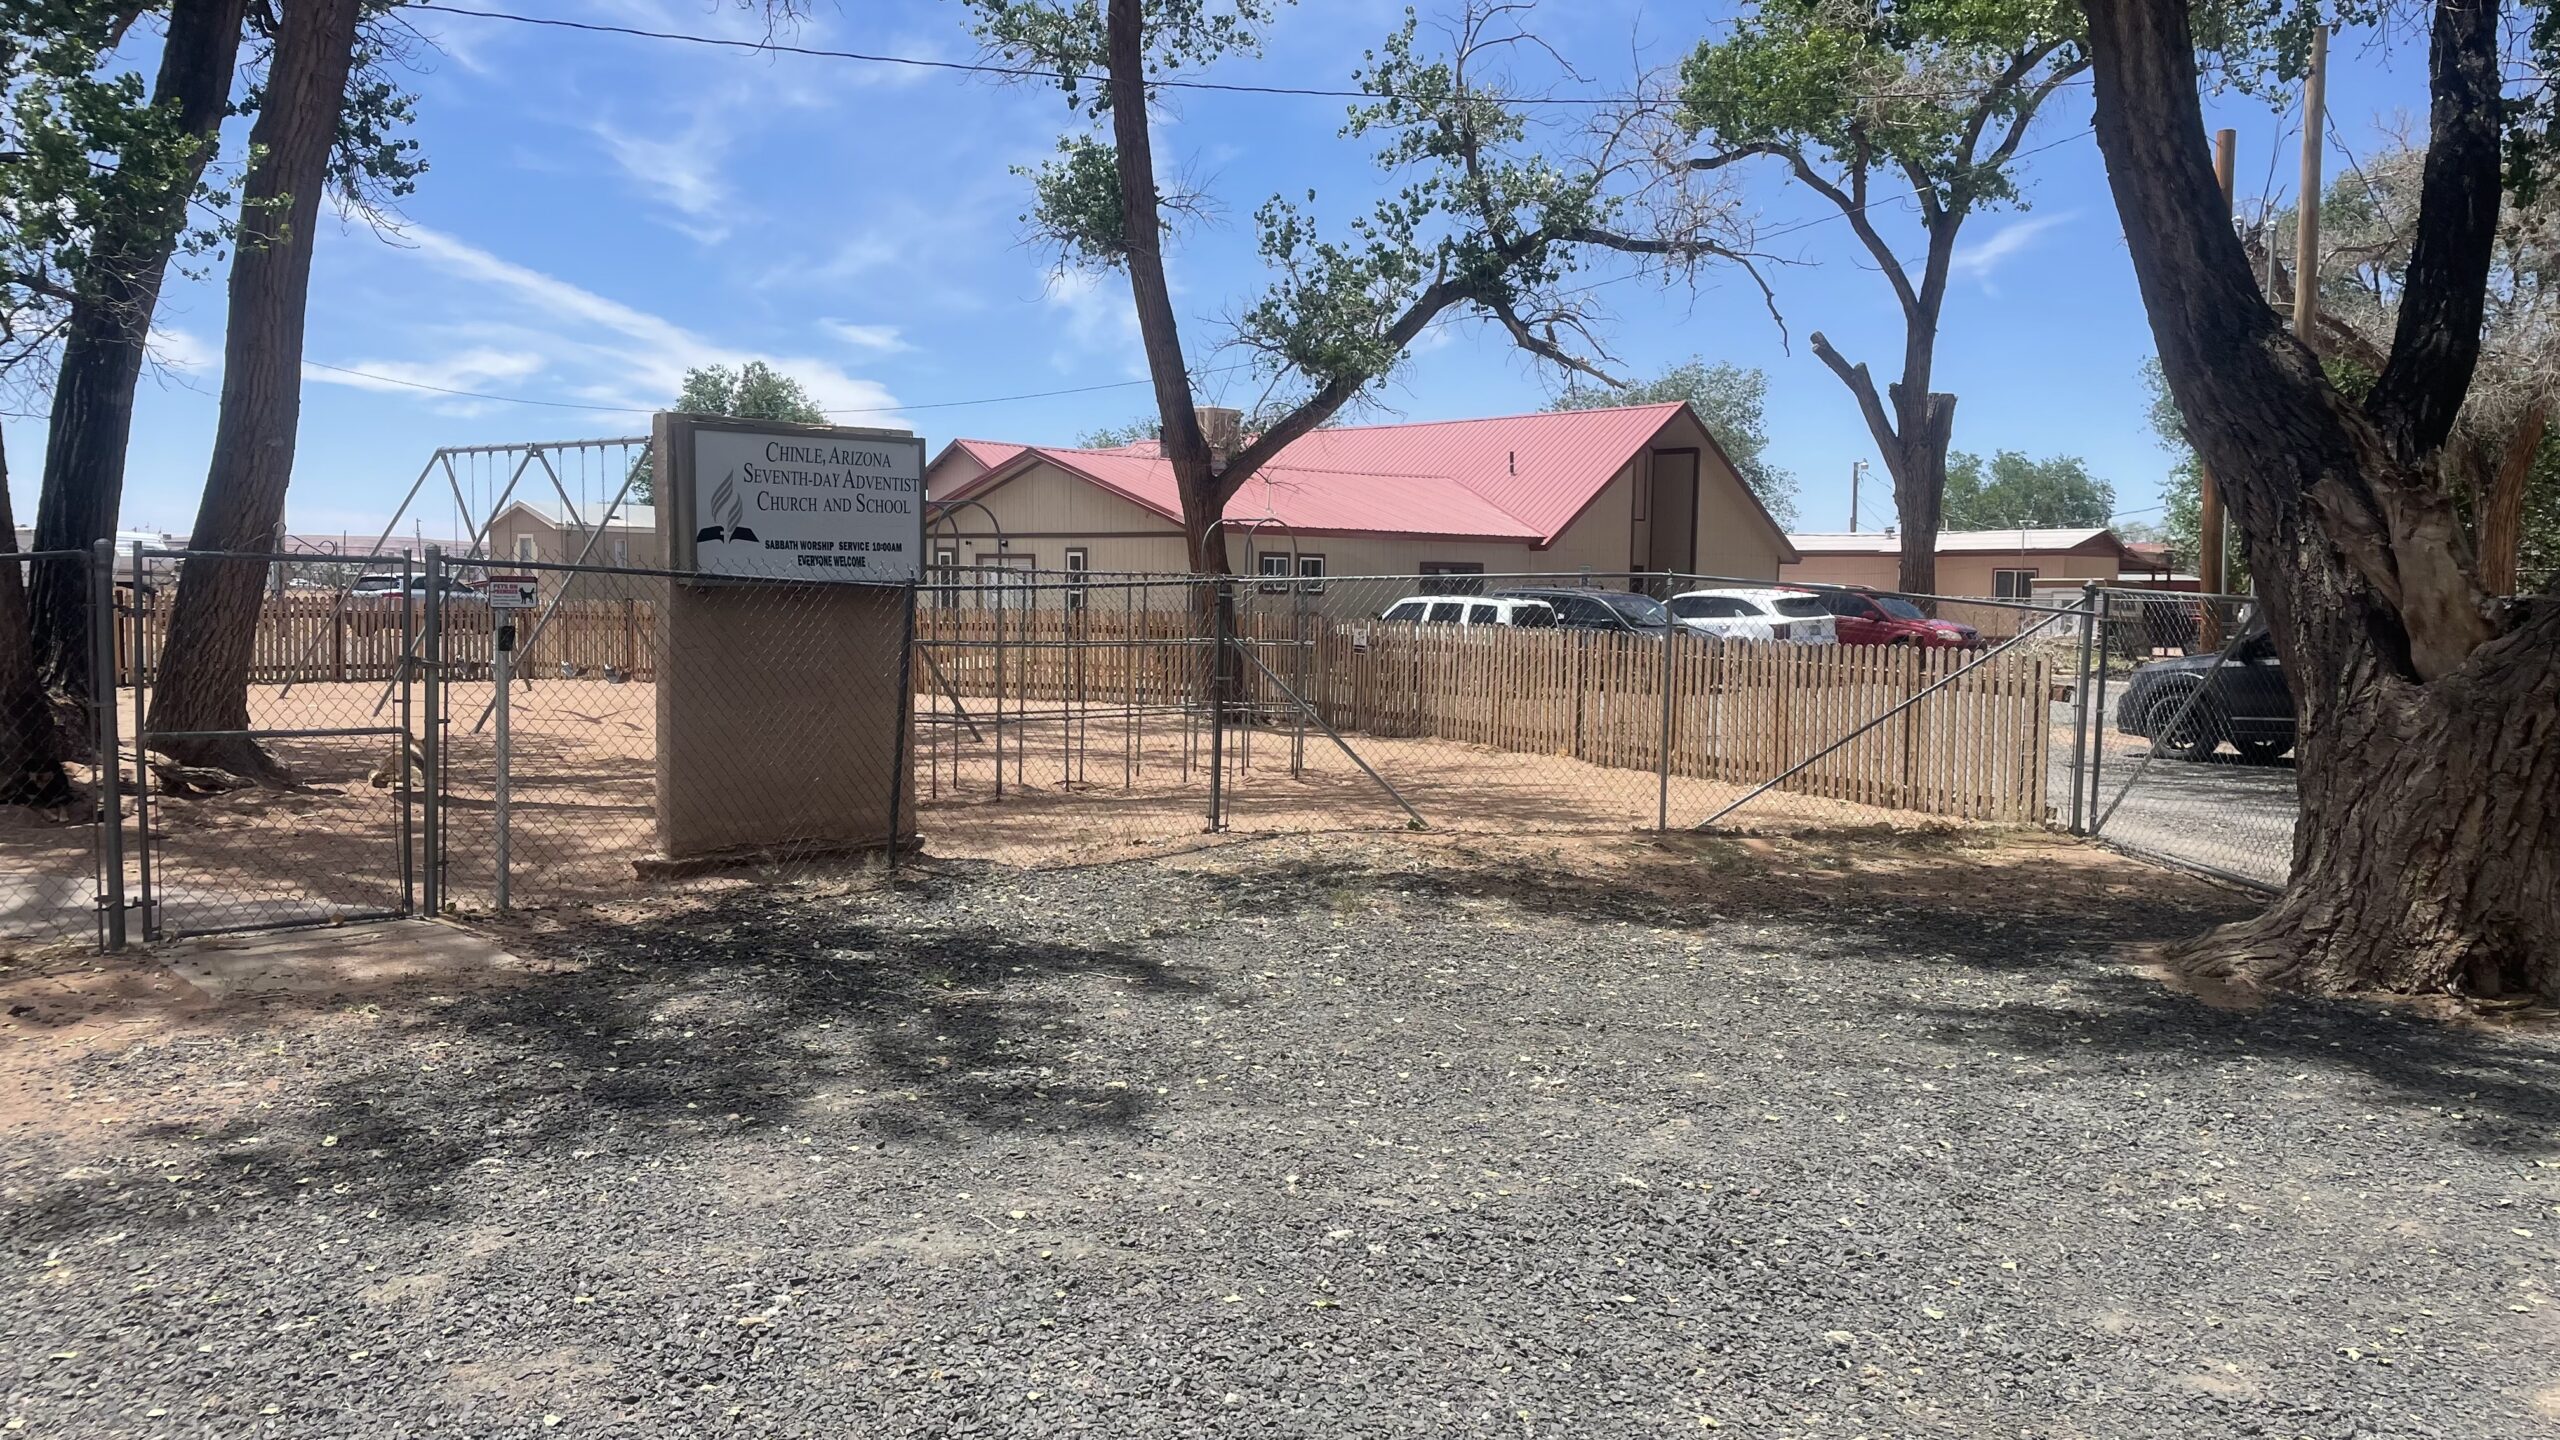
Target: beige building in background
column 1605, row 492
column 527, row 531
column 1991, row 564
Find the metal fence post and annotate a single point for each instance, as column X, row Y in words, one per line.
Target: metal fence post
column 431, row 738
column 2080, row 704
column 2098, row 711
column 502, row 668
column 1662, row 792
column 898, row 761
column 1221, row 639
column 142, row 752
column 110, row 768
column 405, row 784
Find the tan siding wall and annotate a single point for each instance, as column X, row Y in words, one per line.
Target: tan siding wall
column 1968, row 573
column 1732, row 538
column 1044, row 511
column 553, row 545
column 955, row 470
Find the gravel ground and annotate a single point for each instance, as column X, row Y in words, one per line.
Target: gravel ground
column 1347, row 1138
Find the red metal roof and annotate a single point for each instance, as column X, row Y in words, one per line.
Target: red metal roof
column 1512, row 477
column 990, row 453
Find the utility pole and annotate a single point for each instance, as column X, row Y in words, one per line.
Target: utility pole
column 2208, row 493
column 1857, row 471
column 2306, row 236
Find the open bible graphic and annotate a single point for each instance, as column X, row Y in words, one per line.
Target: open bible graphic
column 728, row 508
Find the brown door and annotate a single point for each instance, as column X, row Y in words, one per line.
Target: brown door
column 1674, row 510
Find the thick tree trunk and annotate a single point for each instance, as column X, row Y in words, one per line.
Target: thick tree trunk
column 107, row 335
column 31, row 751
column 2427, row 856
column 204, row 671
column 1920, row 495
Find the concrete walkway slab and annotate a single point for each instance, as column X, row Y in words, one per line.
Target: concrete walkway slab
column 335, row 958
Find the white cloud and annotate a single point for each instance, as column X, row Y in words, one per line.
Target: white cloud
column 1095, row 315
column 1978, row 261
column 181, row 350
column 883, row 339
column 683, row 171
column 542, row 335
column 481, row 368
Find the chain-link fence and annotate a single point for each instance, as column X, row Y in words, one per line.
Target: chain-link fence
column 287, row 800
column 1145, row 711
column 581, row 741
column 2182, row 735
column 53, row 755
column 436, row 736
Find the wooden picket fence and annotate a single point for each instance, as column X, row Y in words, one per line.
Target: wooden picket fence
column 1740, row 713
column 323, row 638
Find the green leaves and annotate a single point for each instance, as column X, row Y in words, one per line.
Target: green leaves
column 2014, row 492
column 1928, row 92
column 1076, row 202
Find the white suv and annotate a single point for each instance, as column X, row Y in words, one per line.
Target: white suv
column 1794, row 615
column 1471, row 610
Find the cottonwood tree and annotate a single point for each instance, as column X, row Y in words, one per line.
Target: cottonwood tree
column 2368, row 223
column 137, row 226
column 78, row 139
column 1481, row 224
column 2427, row 856
column 1731, row 399
column 2014, row 492
column 1872, row 106
column 204, row 666
column 752, row 391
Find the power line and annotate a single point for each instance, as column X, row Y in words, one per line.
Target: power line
column 1033, row 72
column 477, row 394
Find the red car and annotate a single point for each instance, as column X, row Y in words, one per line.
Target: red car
column 1867, row 618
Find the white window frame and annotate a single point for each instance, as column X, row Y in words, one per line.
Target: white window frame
column 2026, row 584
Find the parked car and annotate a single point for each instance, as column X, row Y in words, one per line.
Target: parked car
column 1864, row 617
column 1472, row 610
column 1756, row 614
column 387, row 587
column 2187, row 707
column 1615, row 610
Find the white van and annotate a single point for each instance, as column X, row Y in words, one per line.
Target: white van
column 1757, row 614
column 1471, row 610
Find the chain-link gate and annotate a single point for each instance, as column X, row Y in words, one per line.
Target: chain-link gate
column 2183, row 736
column 295, row 800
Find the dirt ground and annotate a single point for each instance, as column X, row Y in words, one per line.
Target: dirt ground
column 1050, row 789
column 1834, row 1134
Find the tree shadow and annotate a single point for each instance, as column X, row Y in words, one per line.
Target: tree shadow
column 659, row 1036
column 1938, row 905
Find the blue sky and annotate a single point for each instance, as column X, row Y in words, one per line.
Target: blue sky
column 604, row 212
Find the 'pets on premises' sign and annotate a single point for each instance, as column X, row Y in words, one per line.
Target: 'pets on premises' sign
column 803, row 503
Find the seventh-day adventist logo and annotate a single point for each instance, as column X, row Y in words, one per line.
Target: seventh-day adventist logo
column 728, row 508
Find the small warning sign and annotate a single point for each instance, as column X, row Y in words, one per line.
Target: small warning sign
column 512, row 592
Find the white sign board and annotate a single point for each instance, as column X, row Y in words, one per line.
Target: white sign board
column 787, row 506
column 512, row 592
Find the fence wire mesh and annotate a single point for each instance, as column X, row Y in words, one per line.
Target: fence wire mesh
column 51, row 805
column 1066, row 717
column 788, row 691
column 286, row 801
column 2186, row 744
